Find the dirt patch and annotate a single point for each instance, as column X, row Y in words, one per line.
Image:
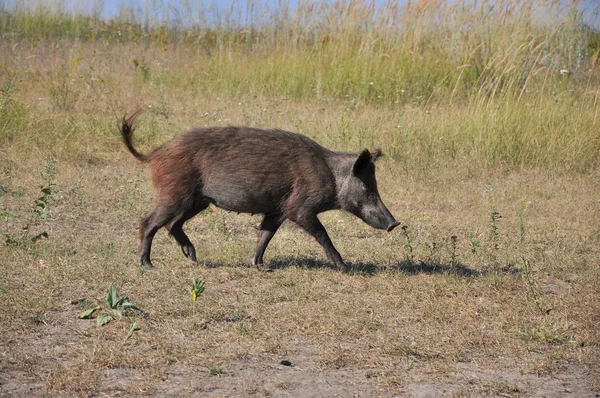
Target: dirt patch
column 571, row 381
column 49, row 362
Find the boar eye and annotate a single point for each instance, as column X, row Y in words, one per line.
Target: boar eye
column 364, row 187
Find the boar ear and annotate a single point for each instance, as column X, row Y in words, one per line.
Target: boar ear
column 361, row 163
column 376, row 154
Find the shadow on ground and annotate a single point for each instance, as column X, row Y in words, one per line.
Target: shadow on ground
column 370, row 268
column 408, row 267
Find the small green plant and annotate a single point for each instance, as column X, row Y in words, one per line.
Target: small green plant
column 42, row 203
column 134, row 328
column 494, row 231
column 41, row 209
column 453, row 245
column 119, row 306
column 103, row 319
column 10, row 240
column 532, row 288
column 243, row 325
column 162, row 110
column 498, row 279
column 408, row 245
column 39, row 236
column 196, row 290
column 474, row 242
column 217, row 371
column 7, row 216
column 88, row 313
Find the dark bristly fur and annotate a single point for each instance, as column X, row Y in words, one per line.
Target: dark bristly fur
column 276, row 173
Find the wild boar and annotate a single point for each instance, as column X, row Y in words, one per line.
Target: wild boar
column 281, row 175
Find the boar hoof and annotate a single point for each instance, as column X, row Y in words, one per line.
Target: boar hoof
column 189, row 252
column 345, row 267
column 146, row 263
column 262, row 267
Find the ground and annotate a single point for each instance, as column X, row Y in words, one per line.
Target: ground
column 499, row 312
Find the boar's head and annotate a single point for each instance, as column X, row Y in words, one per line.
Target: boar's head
column 359, row 195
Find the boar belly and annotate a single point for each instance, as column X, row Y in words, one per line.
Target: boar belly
column 249, row 196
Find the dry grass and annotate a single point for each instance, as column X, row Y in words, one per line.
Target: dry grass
column 59, row 89
column 387, row 325
column 509, row 307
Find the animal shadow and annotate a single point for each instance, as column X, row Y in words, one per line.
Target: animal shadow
column 370, row 268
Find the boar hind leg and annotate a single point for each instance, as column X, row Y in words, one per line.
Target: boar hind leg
column 268, row 227
column 313, row 226
column 162, row 216
column 149, row 226
column 175, row 228
column 176, row 231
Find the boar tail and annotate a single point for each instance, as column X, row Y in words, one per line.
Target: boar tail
column 127, row 129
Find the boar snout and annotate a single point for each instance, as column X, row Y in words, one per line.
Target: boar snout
column 392, row 226
column 379, row 216
column 389, row 220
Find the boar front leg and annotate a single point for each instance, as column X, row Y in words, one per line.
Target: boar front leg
column 313, row 226
column 270, row 224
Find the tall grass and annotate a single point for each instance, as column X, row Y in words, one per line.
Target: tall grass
column 512, row 81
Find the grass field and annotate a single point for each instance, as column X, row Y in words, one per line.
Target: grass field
column 489, row 122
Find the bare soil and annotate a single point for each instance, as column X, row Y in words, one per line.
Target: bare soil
column 264, row 374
